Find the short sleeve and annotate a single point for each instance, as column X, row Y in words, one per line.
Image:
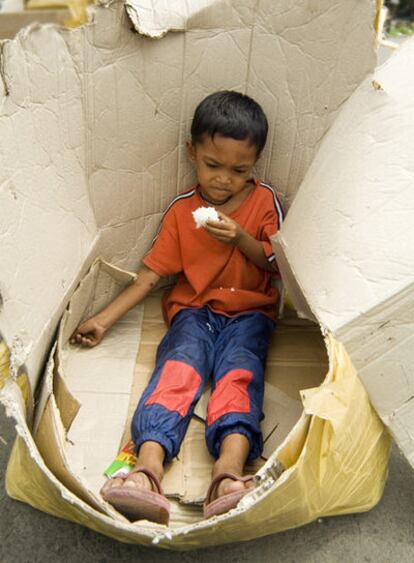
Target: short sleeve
column 271, row 222
column 164, row 256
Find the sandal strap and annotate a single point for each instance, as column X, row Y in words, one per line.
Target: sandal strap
column 219, row 478
column 155, row 483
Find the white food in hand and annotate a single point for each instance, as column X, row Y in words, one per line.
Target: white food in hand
column 204, row 214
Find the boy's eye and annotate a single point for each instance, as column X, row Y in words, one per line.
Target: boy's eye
column 235, row 170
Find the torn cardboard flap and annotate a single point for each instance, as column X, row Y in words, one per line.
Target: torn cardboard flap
column 355, row 206
column 156, row 18
column 47, row 226
column 355, row 266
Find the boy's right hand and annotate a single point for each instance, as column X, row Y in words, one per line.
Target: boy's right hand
column 89, row 333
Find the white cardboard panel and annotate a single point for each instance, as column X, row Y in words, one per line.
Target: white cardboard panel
column 355, row 266
column 89, row 462
column 302, row 76
column 356, row 202
column 47, row 227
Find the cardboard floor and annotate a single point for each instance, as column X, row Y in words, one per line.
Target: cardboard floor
column 96, row 392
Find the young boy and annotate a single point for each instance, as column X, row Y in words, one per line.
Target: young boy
column 220, row 313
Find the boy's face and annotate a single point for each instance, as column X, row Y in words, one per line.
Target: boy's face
column 223, row 166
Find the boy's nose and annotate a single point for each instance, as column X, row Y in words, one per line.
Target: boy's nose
column 224, row 178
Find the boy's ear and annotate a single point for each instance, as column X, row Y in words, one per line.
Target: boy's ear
column 190, row 150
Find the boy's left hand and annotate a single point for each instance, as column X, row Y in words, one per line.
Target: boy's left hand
column 226, row 230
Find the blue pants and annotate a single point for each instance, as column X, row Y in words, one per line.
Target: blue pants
column 198, row 346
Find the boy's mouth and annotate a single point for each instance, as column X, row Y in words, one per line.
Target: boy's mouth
column 223, row 196
column 225, row 192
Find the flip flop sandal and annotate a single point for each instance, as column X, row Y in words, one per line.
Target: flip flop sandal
column 140, row 504
column 226, row 502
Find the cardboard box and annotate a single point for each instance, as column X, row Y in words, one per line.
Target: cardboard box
column 92, row 132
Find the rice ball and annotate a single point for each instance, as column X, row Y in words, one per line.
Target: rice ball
column 204, row 214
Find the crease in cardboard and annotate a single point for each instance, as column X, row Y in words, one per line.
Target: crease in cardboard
column 364, row 334
column 51, row 432
column 397, row 411
column 3, row 69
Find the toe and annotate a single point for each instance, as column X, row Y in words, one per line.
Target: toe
column 138, row 480
column 228, row 486
column 114, row 482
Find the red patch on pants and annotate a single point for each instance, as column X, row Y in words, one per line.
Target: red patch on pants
column 230, row 395
column 176, row 388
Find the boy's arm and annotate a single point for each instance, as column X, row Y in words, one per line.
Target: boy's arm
column 253, row 249
column 91, row 332
column 230, row 232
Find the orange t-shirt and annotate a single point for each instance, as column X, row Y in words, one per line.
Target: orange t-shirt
column 213, row 273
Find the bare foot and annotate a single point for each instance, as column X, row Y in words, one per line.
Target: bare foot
column 138, row 497
column 228, row 486
column 233, row 453
column 151, row 456
column 225, row 493
column 134, row 480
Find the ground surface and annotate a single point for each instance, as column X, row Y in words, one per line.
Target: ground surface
column 385, row 534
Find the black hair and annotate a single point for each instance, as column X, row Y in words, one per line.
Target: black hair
column 230, row 114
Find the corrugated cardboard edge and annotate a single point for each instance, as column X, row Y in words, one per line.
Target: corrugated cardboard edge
column 290, row 281
column 156, row 23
